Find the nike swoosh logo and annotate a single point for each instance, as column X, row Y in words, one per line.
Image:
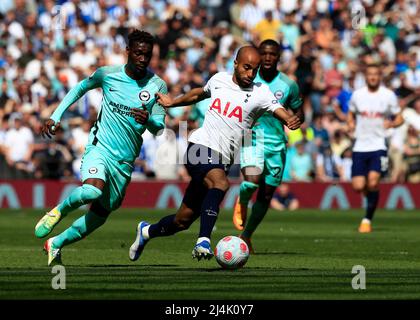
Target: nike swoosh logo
column 215, row 88
column 111, row 89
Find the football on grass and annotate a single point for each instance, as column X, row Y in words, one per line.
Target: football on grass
column 231, row 252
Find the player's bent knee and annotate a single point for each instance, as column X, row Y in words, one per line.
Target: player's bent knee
column 99, row 210
column 373, row 186
column 249, row 186
column 254, row 179
column 358, row 187
column 90, row 193
column 222, row 185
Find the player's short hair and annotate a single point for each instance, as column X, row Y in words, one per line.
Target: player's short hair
column 140, row 36
column 373, row 65
column 270, row 42
column 239, row 52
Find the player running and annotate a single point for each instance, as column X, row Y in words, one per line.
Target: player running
column 128, row 108
column 262, row 162
column 370, row 110
column 236, row 103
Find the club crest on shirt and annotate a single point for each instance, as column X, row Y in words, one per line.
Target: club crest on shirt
column 144, row 95
column 93, row 170
column 247, row 97
column 279, row 94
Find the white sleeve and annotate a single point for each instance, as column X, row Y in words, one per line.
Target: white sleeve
column 394, row 106
column 352, row 103
column 209, row 85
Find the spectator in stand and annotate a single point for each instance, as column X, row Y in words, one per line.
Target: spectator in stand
column 267, row 28
column 290, row 30
column 412, row 155
column 301, row 164
column 322, row 51
column 327, row 166
column 344, row 164
column 341, row 103
column 318, row 87
column 283, row 199
column 333, row 80
column 17, row 144
column 340, row 142
column 322, row 138
column 412, row 74
column 251, row 14
column 325, row 34
column 79, row 135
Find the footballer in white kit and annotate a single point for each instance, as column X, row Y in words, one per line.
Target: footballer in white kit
column 373, row 109
column 232, row 111
column 236, row 102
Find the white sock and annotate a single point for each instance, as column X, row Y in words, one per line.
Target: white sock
column 202, row 239
column 365, row 220
column 145, row 232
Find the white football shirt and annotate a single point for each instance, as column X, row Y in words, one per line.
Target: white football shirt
column 232, row 111
column 371, row 109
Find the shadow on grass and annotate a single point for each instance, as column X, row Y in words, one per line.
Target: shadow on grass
column 262, row 253
column 128, row 266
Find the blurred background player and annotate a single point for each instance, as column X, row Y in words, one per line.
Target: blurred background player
column 369, row 117
column 128, row 109
column 236, row 103
column 263, row 160
column 283, row 199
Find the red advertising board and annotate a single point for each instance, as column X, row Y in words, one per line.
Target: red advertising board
column 168, row 194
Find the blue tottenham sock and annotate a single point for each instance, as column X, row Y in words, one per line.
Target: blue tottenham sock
column 165, row 227
column 79, row 229
column 209, row 211
column 372, row 203
column 79, row 197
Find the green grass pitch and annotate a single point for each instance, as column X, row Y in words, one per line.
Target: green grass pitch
column 307, row 254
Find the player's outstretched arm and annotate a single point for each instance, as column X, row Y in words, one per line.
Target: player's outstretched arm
column 191, row 97
column 50, row 125
column 49, row 128
column 291, row 121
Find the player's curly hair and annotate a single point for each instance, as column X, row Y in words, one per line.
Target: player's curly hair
column 270, row 42
column 140, row 36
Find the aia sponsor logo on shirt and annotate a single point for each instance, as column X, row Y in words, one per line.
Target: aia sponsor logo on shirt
column 227, row 110
column 372, row 114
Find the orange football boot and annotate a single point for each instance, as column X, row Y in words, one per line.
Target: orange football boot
column 365, row 226
column 239, row 215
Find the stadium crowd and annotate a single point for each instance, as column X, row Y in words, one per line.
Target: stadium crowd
column 47, row 46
